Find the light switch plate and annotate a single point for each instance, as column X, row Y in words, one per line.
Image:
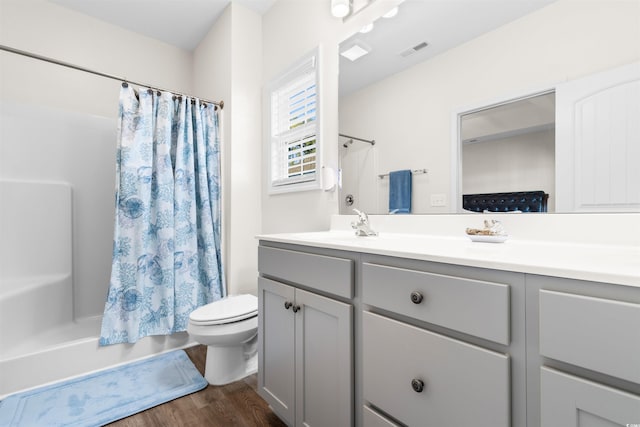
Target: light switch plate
column 438, row 200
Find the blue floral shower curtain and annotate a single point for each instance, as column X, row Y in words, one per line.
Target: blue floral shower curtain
column 166, row 249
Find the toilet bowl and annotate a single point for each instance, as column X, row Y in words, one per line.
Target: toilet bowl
column 229, row 329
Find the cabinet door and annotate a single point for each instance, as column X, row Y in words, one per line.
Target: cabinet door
column 324, row 374
column 571, row 401
column 276, row 381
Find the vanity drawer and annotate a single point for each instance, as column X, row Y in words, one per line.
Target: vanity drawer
column 371, row 418
column 324, row 273
column 463, row 384
column 475, row 307
column 595, row 333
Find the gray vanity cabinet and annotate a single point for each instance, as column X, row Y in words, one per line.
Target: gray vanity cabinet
column 584, row 347
column 437, row 345
column 417, row 343
column 305, row 339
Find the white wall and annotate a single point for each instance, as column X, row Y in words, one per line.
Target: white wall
column 50, row 30
column 291, row 29
column 47, row 29
column 228, row 63
column 563, row 41
column 245, row 148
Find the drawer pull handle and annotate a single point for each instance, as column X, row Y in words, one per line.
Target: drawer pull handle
column 416, row 297
column 287, row 305
column 417, row 385
column 296, row 308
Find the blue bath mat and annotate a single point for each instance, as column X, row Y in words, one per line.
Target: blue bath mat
column 104, row 396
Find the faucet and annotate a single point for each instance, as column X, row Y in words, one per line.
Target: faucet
column 362, row 226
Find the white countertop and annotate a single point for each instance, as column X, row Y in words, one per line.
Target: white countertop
column 610, row 263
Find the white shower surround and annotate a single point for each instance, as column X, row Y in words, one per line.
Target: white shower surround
column 56, row 224
column 74, row 156
column 35, row 261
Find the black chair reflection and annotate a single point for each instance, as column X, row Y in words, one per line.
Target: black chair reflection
column 522, row 201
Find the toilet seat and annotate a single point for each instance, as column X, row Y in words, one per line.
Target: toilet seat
column 227, row 310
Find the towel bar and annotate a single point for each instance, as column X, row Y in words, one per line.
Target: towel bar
column 413, row 171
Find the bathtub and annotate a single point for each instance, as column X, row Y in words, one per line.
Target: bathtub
column 72, row 350
column 41, row 340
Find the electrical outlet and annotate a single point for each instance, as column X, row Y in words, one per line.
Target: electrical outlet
column 438, row 200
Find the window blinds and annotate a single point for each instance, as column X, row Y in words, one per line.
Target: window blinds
column 294, row 143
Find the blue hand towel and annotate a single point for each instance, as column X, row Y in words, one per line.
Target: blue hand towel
column 400, row 191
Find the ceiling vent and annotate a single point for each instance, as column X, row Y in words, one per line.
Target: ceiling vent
column 414, row 49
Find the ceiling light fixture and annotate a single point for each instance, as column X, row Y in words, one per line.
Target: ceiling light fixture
column 357, row 50
column 393, row 12
column 366, row 28
column 340, row 8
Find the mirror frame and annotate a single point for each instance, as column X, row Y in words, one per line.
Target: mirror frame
column 456, row 143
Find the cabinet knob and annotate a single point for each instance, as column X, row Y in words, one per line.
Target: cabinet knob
column 416, row 297
column 296, row 308
column 287, row 305
column 417, row 385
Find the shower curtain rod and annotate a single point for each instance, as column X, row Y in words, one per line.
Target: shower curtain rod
column 372, row 142
column 98, row 73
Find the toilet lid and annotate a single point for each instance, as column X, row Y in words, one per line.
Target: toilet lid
column 230, row 309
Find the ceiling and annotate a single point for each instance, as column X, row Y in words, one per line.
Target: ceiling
column 182, row 23
column 442, row 24
column 530, row 114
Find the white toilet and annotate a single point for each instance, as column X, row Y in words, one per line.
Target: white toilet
column 229, row 329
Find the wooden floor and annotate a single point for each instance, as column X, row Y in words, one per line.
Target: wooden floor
column 236, row 404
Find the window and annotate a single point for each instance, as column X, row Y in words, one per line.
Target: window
column 294, row 131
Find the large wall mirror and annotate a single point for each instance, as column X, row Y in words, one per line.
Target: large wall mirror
column 464, row 94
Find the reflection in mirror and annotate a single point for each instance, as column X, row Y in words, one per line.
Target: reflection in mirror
column 434, row 59
column 358, row 166
column 510, row 148
column 420, row 30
